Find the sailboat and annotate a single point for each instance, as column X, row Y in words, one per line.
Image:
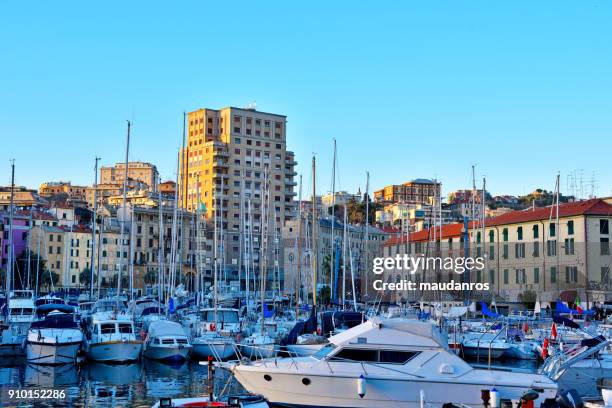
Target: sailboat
column 261, row 344
column 55, row 338
column 209, row 342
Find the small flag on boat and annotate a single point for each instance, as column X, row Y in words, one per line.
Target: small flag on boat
column 545, row 349
column 526, row 327
column 553, row 331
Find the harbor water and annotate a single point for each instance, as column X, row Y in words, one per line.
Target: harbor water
column 139, row 384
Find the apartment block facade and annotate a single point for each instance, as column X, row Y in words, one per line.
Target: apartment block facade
column 228, row 155
column 145, row 173
column 526, row 252
column 420, row 191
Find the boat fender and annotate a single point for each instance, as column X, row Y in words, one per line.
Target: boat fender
column 494, row 398
column 361, row 386
column 569, row 399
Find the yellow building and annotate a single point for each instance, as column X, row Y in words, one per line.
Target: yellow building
column 145, row 173
column 228, row 152
column 51, row 188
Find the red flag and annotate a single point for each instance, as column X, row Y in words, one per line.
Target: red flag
column 525, row 327
column 553, row 331
column 579, row 309
column 545, row 349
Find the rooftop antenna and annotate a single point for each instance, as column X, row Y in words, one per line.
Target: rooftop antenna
column 252, row 105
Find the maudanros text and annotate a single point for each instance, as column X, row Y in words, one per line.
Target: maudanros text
column 414, row 264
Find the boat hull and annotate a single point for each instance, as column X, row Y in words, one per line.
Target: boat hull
column 115, row 351
column 288, row 390
column 52, row 353
column 169, row 354
column 217, row 350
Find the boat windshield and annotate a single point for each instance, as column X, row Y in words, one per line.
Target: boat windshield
column 225, row 316
column 323, row 352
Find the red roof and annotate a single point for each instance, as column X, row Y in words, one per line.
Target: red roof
column 595, row 206
column 37, row 215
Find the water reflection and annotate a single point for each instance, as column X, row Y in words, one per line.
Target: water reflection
column 104, row 385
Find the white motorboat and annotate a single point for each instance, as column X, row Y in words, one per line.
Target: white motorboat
column 111, row 336
column 167, row 341
column 483, row 344
column 226, row 321
column 307, row 345
column 55, row 338
column 258, row 345
column 20, row 314
column 581, row 367
column 212, row 344
column 388, row 363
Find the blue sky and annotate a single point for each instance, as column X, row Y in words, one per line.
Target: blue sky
column 419, row 89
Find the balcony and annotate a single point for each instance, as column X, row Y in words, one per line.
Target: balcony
column 290, row 182
column 220, row 153
column 220, row 164
column 290, row 161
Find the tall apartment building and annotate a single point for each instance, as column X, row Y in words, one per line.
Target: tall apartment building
column 145, row 173
column 223, row 167
column 418, row 191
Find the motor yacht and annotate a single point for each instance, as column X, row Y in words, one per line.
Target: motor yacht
column 384, row 363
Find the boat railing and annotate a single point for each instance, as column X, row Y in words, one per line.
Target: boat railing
column 557, row 364
column 493, row 339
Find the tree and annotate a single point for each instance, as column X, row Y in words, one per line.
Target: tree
column 20, row 269
column 150, row 277
column 47, row 278
column 124, row 281
column 85, row 277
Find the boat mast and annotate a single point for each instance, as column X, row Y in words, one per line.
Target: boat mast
column 344, row 236
column 333, row 242
column 367, row 225
column 9, row 266
column 172, row 280
column 160, row 249
column 263, row 251
column 298, row 286
column 93, row 230
column 121, row 243
column 313, row 250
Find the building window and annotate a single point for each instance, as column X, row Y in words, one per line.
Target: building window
column 536, row 275
column 551, row 247
column 519, row 232
column 506, row 277
column 492, row 276
column 237, row 140
column 553, row 274
column 505, row 234
column 604, row 243
column 570, row 228
column 536, row 231
column 605, row 275
column 571, row 274
column 604, row 227
column 569, row 246
column 536, row 249
column 552, row 230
